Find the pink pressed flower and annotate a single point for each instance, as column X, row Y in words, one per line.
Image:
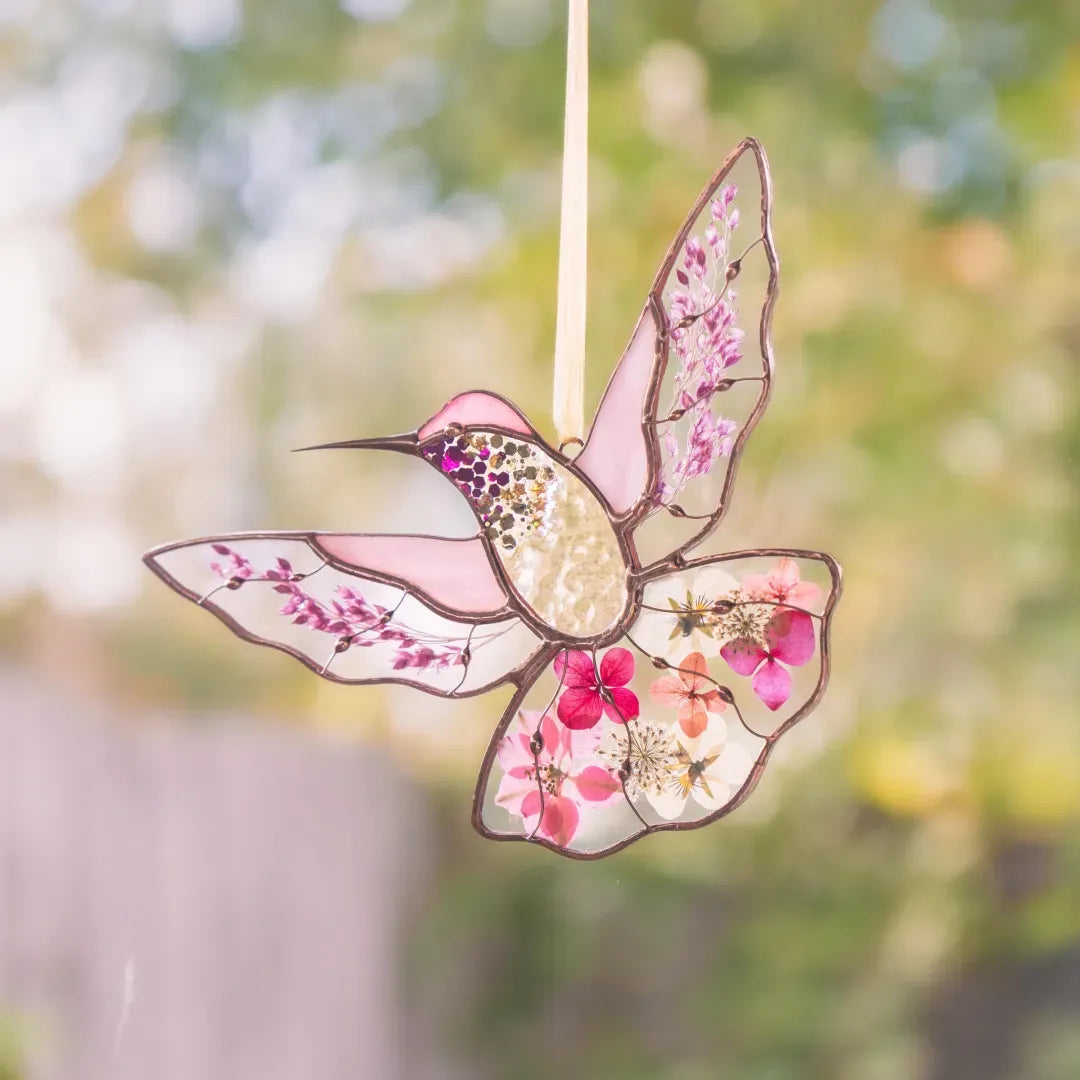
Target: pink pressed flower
column 710, row 438
column 691, row 692
column 424, row 658
column 349, row 617
column 789, row 639
column 694, row 259
column 706, row 341
column 587, row 695
column 237, row 568
column 565, row 768
column 782, row 585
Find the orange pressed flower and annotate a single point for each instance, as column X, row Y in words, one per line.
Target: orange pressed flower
column 690, row 691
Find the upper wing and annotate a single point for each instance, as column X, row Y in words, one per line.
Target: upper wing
column 697, row 373
column 425, row 611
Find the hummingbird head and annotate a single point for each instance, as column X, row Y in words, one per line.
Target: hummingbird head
column 491, row 453
column 476, row 409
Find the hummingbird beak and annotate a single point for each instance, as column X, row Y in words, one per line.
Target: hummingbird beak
column 402, row 444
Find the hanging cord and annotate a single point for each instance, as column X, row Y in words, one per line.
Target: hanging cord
column 569, row 393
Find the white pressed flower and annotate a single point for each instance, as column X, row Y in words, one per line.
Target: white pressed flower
column 708, row 769
column 679, row 615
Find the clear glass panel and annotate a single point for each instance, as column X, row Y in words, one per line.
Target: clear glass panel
column 280, row 591
column 717, row 300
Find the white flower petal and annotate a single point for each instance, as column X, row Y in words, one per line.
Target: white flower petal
column 652, row 631
column 669, row 803
column 733, row 765
column 714, row 583
column 711, row 741
column 718, row 794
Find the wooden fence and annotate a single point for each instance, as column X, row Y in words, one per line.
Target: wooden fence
column 215, row 904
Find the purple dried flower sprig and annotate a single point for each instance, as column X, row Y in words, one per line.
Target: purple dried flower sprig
column 707, row 342
column 349, row 616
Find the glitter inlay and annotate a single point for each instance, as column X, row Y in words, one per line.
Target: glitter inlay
column 548, row 529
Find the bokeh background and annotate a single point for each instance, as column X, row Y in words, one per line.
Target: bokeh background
column 233, row 227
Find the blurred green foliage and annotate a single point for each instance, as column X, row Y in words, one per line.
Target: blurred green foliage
column 12, row 1058
column 372, row 223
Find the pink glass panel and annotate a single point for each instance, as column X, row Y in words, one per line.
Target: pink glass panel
column 477, row 409
column 455, row 573
column 614, row 457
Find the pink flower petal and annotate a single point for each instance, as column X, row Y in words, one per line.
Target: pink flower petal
column 785, row 575
column 530, row 806
column 806, row 594
column 713, row 701
column 596, row 784
column 580, row 745
column 772, row 684
column 513, row 750
column 669, row 691
column 552, row 734
column 743, row 655
column 694, row 671
column 514, row 791
column 624, row 705
column 756, row 586
column 693, row 718
column 578, row 666
column 580, row 707
column 617, row 667
column 790, row 635
column 560, row 819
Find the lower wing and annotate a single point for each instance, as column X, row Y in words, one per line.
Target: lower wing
column 427, row 612
column 673, row 726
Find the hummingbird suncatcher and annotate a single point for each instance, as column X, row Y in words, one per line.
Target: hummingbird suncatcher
column 650, row 689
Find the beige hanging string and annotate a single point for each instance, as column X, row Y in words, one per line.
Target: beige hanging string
column 569, row 399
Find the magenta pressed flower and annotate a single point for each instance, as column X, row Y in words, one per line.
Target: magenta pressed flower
column 789, row 640
column 591, row 691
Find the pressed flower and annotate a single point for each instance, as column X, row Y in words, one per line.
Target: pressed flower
column 592, row 690
column 651, row 750
column 567, row 768
column 686, row 618
column 788, row 640
column 782, row 585
column 709, row 439
column 691, row 693
column 706, row 340
column 347, row 615
column 708, row 769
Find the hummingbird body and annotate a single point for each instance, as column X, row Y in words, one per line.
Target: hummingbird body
column 549, row 531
